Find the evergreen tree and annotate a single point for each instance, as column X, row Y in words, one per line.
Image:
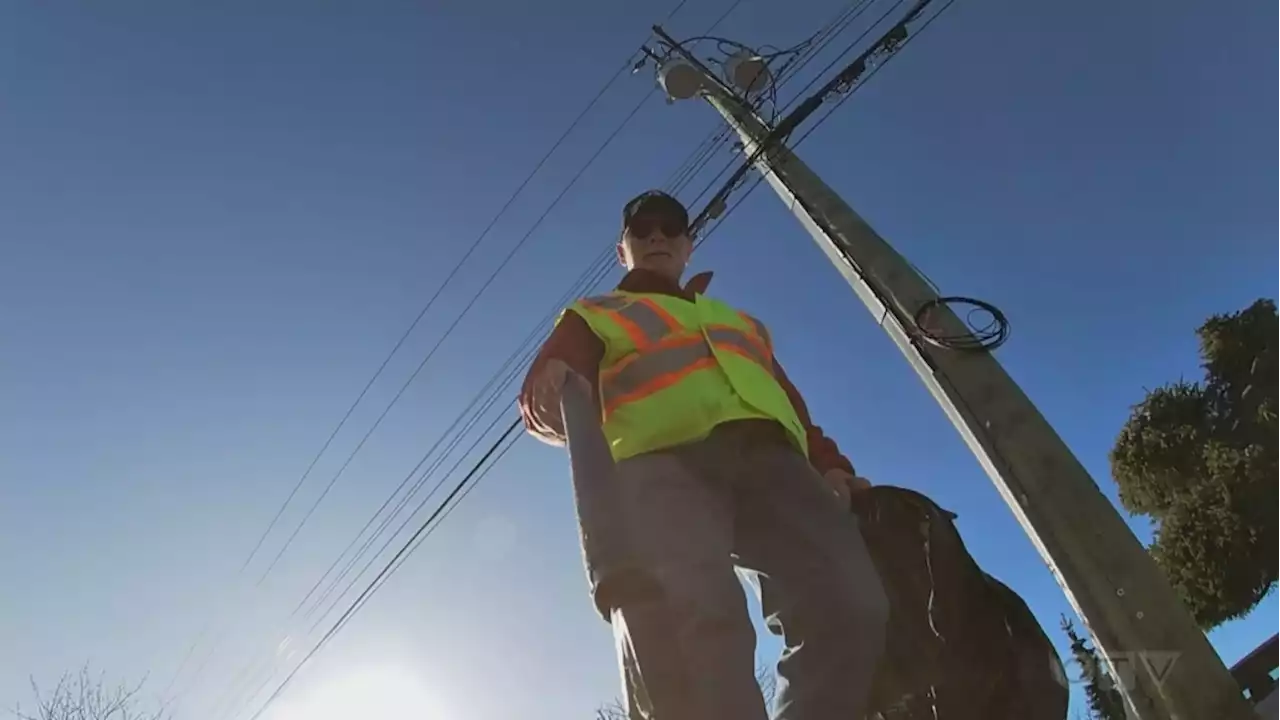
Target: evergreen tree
column 1200, row 460
column 1105, row 702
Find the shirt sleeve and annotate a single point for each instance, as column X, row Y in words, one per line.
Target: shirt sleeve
column 572, row 343
column 824, row 454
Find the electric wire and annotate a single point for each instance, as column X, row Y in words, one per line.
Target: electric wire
column 472, row 247
column 807, row 107
column 208, row 625
column 719, row 137
column 376, row 583
column 702, row 154
column 808, row 50
column 996, row 330
column 527, row 235
column 976, row 338
column 459, row 491
column 832, row 30
column 391, row 537
column 606, row 267
column 465, row 311
column 346, row 416
column 458, row 319
column 718, row 21
column 589, row 279
column 411, row 544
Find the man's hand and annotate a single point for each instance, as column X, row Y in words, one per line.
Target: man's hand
column 549, row 385
column 844, row 484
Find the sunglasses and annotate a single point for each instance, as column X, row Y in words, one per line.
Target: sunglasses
column 669, row 225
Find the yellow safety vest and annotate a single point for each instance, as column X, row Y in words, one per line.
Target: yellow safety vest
column 673, row 370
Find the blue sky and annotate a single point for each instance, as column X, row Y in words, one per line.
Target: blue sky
column 216, row 219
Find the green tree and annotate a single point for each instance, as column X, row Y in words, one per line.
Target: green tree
column 1199, row 459
column 1105, row 702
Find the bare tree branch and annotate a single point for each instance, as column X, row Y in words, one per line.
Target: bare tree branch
column 81, row 696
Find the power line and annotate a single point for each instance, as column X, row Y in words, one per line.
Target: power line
column 842, row 82
column 862, row 5
column 799, row 56
column 388, row 568
column 449, row 331
column 718, row 21
column 472, row 302
column 395, row 349
column 876, row 68
column 413, row 491
column 415, row 539
column 599, row 276
column 816, row 99
column 590, row 276
column 458, row 493
column 458, row 320
column 461, row 489
column 473, row 246
column 588, row 279
column 507, row 259
column 442, row 512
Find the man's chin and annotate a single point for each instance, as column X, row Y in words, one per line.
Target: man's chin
column 662, row 265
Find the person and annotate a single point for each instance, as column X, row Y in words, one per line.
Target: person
column 718, row 465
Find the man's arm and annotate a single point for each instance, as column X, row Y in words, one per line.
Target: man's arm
column 571, row 346
column 824, row 455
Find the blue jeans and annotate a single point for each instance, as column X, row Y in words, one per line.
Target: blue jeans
column 745, row 498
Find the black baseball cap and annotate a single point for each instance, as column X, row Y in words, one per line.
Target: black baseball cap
column 655, row 203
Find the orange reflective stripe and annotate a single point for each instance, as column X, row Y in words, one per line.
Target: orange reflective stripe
column 753, row 347
column 672, row 324
column 655, row 350
column 639, row 369
column 663, row 364
column 745, row 353
column 656, row 383
column 761, row 330
column 644, row 321
column 637, row 334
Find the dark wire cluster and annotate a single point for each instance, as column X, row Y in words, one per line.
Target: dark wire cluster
column 987, row 327
column 986, row 337
column 796, row 59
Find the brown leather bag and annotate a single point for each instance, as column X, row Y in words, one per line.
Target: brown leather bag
column 961, row 645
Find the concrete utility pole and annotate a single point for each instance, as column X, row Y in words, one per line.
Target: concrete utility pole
column 1164, row 662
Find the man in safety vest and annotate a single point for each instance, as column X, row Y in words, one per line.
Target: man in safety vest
column 719, row 465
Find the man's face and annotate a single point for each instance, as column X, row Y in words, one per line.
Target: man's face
column 657, row 242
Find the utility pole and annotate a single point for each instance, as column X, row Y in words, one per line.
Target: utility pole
column 1164, row 663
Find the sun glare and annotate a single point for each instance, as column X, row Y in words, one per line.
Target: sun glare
column 376, row 692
